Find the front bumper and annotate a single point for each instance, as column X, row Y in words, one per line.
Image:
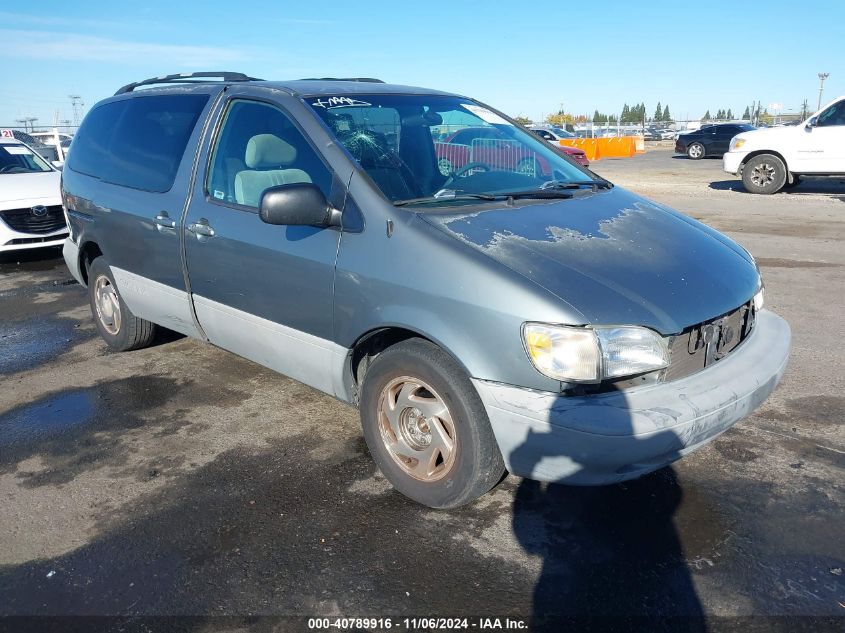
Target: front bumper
column 11, row 240
column 70, row 251
column 732, row 162
column 611, row 437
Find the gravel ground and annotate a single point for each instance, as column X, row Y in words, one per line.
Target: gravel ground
column 181, row 480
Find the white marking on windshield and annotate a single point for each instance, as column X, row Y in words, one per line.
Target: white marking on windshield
column 340, row 102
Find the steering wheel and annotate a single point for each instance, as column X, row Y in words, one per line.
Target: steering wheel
column 6, row 168
column 462, row 170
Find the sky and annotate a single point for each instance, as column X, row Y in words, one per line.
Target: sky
column 524, row 58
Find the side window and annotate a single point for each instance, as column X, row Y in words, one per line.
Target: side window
column 258, row 147
column 834, row 115
column 137, row 142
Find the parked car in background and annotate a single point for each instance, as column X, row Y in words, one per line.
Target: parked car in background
column 540, row 321
column 771, row 159
column 49, row 138
column 709, row 140
column 31, row 213
column 46, row 152
column 551, row 133
column 652, row 134
column 488, row 145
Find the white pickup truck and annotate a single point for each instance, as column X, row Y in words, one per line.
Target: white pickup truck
column 773, row 158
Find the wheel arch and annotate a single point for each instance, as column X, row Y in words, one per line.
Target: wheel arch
column 375, row 341
column 88, row 252
column 759, row 152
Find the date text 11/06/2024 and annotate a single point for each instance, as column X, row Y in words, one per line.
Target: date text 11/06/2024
column 413, row 624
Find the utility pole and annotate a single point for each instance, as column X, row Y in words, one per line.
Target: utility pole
column 822, row 77
column 804, row 107
column 75, row 101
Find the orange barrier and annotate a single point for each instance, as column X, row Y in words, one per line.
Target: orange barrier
column 589, row 145
column 616, row 147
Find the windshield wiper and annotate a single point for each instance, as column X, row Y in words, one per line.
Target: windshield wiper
column 450, row 194
column 576, row 184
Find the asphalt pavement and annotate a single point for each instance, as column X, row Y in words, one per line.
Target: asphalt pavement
column 182, row 480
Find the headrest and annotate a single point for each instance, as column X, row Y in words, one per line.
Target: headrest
column 267, row 150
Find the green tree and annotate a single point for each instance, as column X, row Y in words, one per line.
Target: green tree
column 658, row 112
column 746, row 116
column 720, row 114
column 729, row 115
column 522, row 120
column 706, row 116
column 666, row 116
column 626, row 114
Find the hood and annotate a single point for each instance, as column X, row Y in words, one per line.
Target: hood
column 764, row 136
column 22, row 189
column 615, row 257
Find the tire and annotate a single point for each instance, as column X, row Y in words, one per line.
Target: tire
column 120, row 329
column 764, row 174
column 412, row 449
column 696, row 151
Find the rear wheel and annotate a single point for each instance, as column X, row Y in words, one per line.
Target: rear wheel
column 695, row 151
column 121, row 330
column 765, row 174
column 426, row 426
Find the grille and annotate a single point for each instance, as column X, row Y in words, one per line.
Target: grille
column 702, row 345
column 25, row 221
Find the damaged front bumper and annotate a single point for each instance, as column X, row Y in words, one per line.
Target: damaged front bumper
column 614, row 436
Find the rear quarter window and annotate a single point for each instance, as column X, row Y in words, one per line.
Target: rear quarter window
column 137, row 142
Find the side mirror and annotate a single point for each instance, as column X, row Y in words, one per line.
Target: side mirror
column 813, row 122
column 300, row 204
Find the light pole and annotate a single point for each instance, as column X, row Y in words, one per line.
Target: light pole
column 822, row 77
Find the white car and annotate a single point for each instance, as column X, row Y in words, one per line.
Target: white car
column 552, row 134
column 49, row 138
column 31, row 214
column 773, row 158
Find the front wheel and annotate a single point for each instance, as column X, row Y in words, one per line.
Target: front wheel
column 120, row 329
column 426, row 426
column 764, row 174
column 695, row 151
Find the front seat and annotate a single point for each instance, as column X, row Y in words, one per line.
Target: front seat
column 267, row 159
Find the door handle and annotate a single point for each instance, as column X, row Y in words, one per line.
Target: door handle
column 201, row 229
column 164, row 221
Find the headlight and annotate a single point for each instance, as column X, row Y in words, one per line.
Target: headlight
column 736, row 143
column 758, row 300
column 584, row 354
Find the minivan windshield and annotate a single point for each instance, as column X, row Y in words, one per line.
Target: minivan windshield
column 17, row 158
column 435, row 150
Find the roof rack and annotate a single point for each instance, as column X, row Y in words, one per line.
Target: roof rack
column 369, row 80
column 187, row 78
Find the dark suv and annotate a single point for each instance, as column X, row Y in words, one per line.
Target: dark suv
column 489, row 318
column 709, row 140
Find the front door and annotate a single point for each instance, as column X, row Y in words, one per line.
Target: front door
column 821, row 148
column 262, row 291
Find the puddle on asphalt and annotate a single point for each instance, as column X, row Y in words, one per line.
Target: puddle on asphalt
column 46, row 419
column 26, row 344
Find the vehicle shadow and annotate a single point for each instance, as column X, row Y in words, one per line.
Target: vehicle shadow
column 611, row 556
column 833, row 187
